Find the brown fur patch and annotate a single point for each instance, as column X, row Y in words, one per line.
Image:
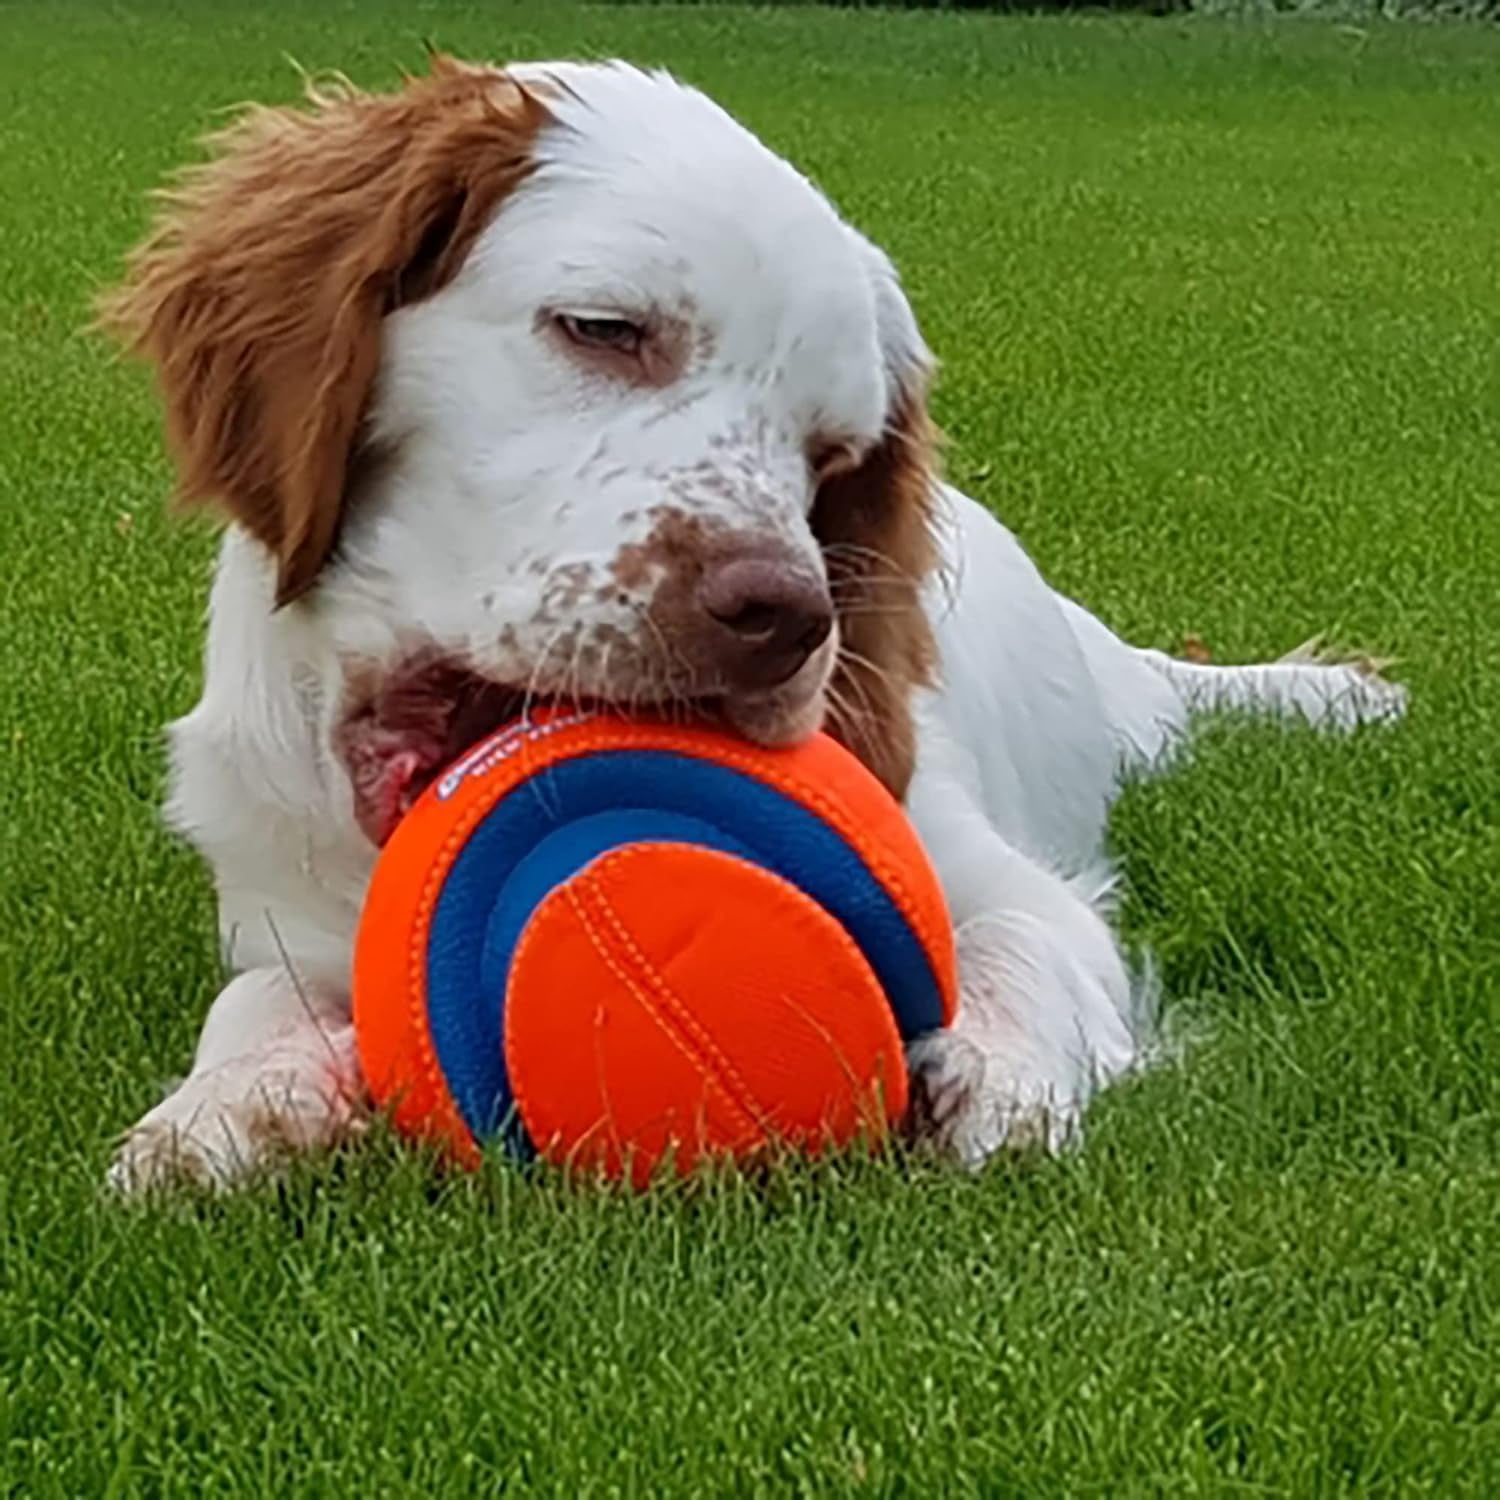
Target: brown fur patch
column 875, row 527
column 260, row 292
column 671, row 560
column 679, row 543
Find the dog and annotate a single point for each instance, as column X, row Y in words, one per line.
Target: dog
column 551, row 382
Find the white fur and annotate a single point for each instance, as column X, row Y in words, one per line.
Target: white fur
column 511, row 464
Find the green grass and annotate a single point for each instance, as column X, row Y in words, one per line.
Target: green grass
column 1219, row 315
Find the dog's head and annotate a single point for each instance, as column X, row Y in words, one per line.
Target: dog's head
column 550, row 382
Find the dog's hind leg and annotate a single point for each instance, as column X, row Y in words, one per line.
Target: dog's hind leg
column 1326, row 691
column 1149, row 697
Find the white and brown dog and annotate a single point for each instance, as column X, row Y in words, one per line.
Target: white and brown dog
column 552, row 382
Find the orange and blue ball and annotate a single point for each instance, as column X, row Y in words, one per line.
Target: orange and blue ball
column 615, row 943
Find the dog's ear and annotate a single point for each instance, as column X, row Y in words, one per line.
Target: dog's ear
column 260, row 292
column 875, row 525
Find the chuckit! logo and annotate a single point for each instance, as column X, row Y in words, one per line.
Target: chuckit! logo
column 501, row 746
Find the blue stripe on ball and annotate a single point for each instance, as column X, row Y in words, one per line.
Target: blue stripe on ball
column 552, row 825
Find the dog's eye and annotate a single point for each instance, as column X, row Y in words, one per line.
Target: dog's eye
column 619, row 334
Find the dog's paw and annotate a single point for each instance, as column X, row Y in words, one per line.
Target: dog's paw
column 1345, row 689
column 228, row 1123
column 968, row 1104
column 1047, row 1014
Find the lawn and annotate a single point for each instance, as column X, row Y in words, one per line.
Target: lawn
column 1219, row 315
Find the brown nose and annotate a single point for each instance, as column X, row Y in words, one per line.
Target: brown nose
column 767, row 619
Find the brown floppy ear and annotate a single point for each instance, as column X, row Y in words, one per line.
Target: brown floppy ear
column 260, row 292
column 875, row 526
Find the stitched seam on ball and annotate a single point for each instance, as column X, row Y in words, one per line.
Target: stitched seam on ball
column 721, row 1085
column 608, row 959
column 708, row 1057
column 680, row 1012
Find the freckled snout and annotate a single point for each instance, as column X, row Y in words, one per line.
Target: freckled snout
column 763, row 619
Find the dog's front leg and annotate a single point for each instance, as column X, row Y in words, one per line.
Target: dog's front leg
column 1046, row 1010
column 275, row 1071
